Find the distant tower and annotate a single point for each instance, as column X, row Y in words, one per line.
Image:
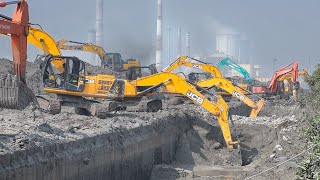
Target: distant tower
column 92, row 40
column 159, row 62
column 179, row 42
column 99, row 25
column 188, row 43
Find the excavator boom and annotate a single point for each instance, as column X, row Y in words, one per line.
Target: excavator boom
column 291, row 68
column 17, row 26
column 228, row 62
column 218, row 81
column 176, row 84
column 14, row 93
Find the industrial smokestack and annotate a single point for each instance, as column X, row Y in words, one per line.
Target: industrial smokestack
column 92, row 40
column 179, row 42
column 188, row 43
column 99, row 25
column 169, row 32
column 159, row 62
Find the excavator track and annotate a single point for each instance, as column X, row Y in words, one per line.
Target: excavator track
column 49, row 105
column 101, row 110
column 14, row 94
column 147, row 105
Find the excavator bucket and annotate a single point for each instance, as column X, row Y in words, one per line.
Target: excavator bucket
column 14, row 94
column 260, row 104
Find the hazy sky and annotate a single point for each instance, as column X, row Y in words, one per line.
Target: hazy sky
column 282, row 29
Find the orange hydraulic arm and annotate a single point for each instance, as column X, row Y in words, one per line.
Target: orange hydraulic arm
column 291, row 68
column 18, row 27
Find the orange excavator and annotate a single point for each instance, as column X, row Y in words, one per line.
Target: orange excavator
column 276, row 86
column 14, row 93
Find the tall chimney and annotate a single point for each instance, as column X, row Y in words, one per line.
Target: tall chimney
column 159, row 63
column 169, row 33
column 188, row 43
column 179, row 42
column 92, row 40
column 99, row 25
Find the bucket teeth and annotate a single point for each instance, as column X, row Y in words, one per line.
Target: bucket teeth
column 13, row 93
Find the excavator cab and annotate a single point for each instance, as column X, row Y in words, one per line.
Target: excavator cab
column 71, row 78
column 196, row 77
column 135, row 72
column 115, row 61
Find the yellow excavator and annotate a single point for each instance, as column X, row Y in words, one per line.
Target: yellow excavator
column 217, row 81
column 113, row 60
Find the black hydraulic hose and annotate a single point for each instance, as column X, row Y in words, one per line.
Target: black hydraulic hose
column 198, row 60
column 36, row 25
column 202, row 89
column 77, row 42
column 5, row 17
column 12, row 2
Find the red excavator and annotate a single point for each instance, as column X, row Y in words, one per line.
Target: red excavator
column 275, row 86
column 14, row 93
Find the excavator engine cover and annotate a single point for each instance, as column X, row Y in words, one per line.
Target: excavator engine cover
column 14, row 94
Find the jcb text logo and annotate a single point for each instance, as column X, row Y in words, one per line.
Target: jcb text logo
column 238, row 95
column 197, row 66
column 5, row 27
column 195, row 97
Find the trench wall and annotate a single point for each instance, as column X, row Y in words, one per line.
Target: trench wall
column 125, row 154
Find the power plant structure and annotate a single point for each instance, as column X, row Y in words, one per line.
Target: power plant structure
column 99, row 26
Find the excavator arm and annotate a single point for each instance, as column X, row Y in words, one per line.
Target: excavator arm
column 87, row 47
column 46, row 43
column 291, row 68
column 182, row 61
column 235, row 91
column 14, row 93
column 218, row 81
column 228, row 62
column 303, row 73
column 18, row 27
column 176, row 84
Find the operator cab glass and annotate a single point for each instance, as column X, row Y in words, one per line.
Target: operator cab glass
column 69, row 76
column 115, row 61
